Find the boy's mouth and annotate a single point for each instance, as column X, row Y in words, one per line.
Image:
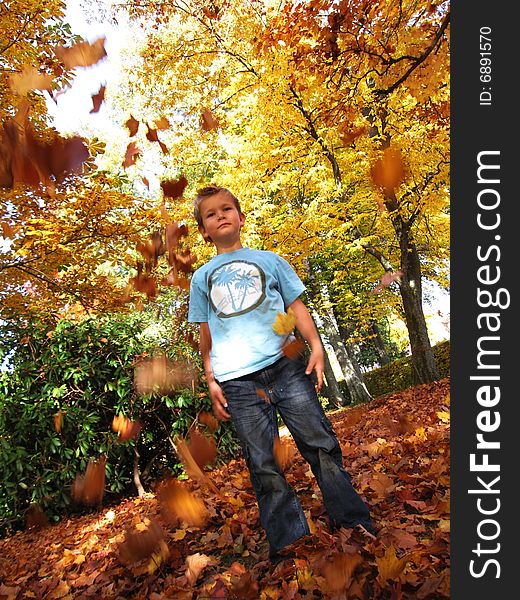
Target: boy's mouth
column 223, row 225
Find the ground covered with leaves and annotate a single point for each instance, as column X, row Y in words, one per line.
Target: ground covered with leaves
column 397, row 451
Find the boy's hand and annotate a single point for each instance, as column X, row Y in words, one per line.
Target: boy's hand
column 219, row 402
column 316, row 363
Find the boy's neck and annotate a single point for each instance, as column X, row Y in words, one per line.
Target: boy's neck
column 222, row 249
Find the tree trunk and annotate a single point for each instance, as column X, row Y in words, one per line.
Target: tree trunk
column 423, row 361
column 137, row 479
column 351, row 370
column 379, row 345
column 335, row 395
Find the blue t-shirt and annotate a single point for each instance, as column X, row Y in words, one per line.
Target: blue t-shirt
column 239, row 295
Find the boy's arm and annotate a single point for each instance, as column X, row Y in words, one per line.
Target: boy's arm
column 216, row 394
column 307, row 328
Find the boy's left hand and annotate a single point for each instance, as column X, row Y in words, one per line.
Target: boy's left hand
column 316, row 363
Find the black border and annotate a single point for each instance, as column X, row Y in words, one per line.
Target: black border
column 476, row 128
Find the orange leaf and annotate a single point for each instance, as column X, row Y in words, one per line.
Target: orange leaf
column 83, row 54
column 294, row 348
column 125, row 429
column 174, row 188
column 97, row 99
column 338, row 572
column 389, row 566
column 133, row 126
column 29, row 79
column 179, row 502
column 131, row 154
column 202, row 448
column 191, row 466
column 90, row 488
column 208, row 121
column 140, row 544
column 388, row 171
column 58, row 420
column 161, row 375
column 209, row 420
column 283, row 453
column 35, row 517
column 162, row 123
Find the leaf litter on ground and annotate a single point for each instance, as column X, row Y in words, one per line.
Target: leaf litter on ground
column 190, row 540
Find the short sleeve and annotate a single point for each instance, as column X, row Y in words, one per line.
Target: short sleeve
column 198, row 305
column 291, row 286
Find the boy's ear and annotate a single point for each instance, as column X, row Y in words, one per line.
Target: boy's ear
column 203, row 233
column 242, row 219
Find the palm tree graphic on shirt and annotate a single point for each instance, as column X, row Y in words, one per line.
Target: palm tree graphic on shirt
column 240, row 281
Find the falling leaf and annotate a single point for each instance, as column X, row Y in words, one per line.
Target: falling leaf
column 162, row 375
column 83, row 54
column 132, row 125
column 35, row 518
column 58, row 420
column 184, row 261
column 191, row 466
column 349, row 133
column 243, row 584
column 126, row 429
column 283, row 453
column 162, row 123
column 178, row 501
column 388, row 278
column 8, row 231
column 97, row 99
column 29, row 79
column 284, row 322
column 89, row 489
column 202, row 448
column 388, row 171
column 294, row 348
column 262, row 395
column 209, row 420
column 208, row 121
column 131, row 154
column 158, row 557
column 173, row 233
column 139, row 544
column 174, row 188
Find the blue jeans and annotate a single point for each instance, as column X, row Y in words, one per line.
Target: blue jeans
column 291, row 393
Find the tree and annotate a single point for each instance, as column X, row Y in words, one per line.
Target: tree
column 333, row 123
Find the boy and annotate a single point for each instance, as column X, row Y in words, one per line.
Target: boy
column 235, row 298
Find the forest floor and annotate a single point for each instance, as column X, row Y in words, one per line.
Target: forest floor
column 397, row 450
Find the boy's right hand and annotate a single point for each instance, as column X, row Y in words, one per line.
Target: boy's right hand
column 219, row 402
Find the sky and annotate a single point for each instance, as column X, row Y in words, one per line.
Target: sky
column 71, row 111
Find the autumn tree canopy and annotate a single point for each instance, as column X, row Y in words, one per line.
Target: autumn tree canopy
column 330, row 121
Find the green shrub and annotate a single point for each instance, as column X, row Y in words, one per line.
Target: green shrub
column 86, row 371
column 397, row 375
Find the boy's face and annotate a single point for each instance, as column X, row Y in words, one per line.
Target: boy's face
column 221, row 220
